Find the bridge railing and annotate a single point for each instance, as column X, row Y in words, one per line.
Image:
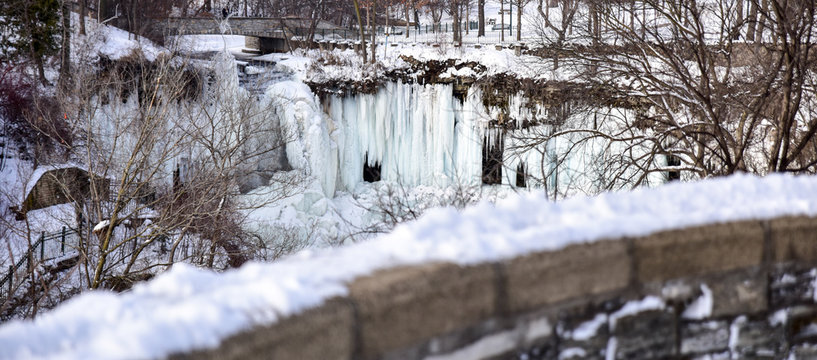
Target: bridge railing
column 279, row 28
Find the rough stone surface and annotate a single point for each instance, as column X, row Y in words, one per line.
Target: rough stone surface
column 402, row 307
column 804, row 351
column 531, row 306
column 794, row 239
column 698, row 251
column 579, row 270
column 320, row 333
column 593, row 346
column 759, row 339
column 742, row 292
column 801, row 324
column 789, row 287
column 252, row 42
column 704, row 337
column 646, row 335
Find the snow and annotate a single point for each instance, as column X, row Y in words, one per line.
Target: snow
column 779, row 317
column 701, row 308
column 187, row 308
column 102, row 225
column 610, row 350
column 573, row 352
column 734, row 333
column 636, row 306
column 111, row 42
column 495, row 344
column 813, row 273
column 589, row 329
column 208, row 43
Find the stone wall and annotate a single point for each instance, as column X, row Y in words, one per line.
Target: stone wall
column 631, row 298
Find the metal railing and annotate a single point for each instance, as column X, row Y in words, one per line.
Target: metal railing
column 427, row 33
column 53, row 244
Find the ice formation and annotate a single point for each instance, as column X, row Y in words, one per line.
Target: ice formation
column 423, row 135
column 419, row 135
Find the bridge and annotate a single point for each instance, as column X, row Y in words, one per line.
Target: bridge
column 635, row 297
column 264, row 34
column 724, row 268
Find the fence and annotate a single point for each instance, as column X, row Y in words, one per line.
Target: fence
column 428, row 33
column 49, row 246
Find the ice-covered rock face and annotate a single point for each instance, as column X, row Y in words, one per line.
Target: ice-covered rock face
column 312, row 143
column 416, row 134
column 419, row 135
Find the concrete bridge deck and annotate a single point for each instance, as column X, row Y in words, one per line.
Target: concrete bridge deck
column 264, row 34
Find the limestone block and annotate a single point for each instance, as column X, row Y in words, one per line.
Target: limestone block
column 704, row 337
column 591, row 336
column 794, row 239
column 321, row 333
column 401, row 307
column 576, row 271
column 758, row 339
column 737, row 293
column 699, row 250
column 789, row 287
column 646, row 335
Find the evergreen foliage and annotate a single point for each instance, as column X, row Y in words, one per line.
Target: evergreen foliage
column 29, row 30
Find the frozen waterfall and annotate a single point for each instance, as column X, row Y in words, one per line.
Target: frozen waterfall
column 419, row 135
column 423, row 135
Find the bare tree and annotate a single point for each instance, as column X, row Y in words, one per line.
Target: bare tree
column 688, row 97
column 481, row 18
column 554, row 34
column 520, row 6
column 169, row 148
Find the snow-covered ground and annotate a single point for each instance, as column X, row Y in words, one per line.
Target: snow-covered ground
column 208, row 43
column 188, row 308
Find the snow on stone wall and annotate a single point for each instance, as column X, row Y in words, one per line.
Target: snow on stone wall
column 188, row 308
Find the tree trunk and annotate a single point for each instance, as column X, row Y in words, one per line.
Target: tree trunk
column 65, row 50
column 501, row 20
column 408, row 7
column 100, row 10
column 543, row 11
column 360, row 28
column 632, row 15
column 519, row 6
column 510, row 19
column 752, row 20
column 761, row 21
column 738, row 19
column 481, row 20
column 373, row 28
column 455, row 27
column 467, row 19
column 82, row 11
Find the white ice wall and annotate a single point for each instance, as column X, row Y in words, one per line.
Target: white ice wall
column 423, row 135
column 420, row 134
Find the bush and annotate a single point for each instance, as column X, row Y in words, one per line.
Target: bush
column 32, row 121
